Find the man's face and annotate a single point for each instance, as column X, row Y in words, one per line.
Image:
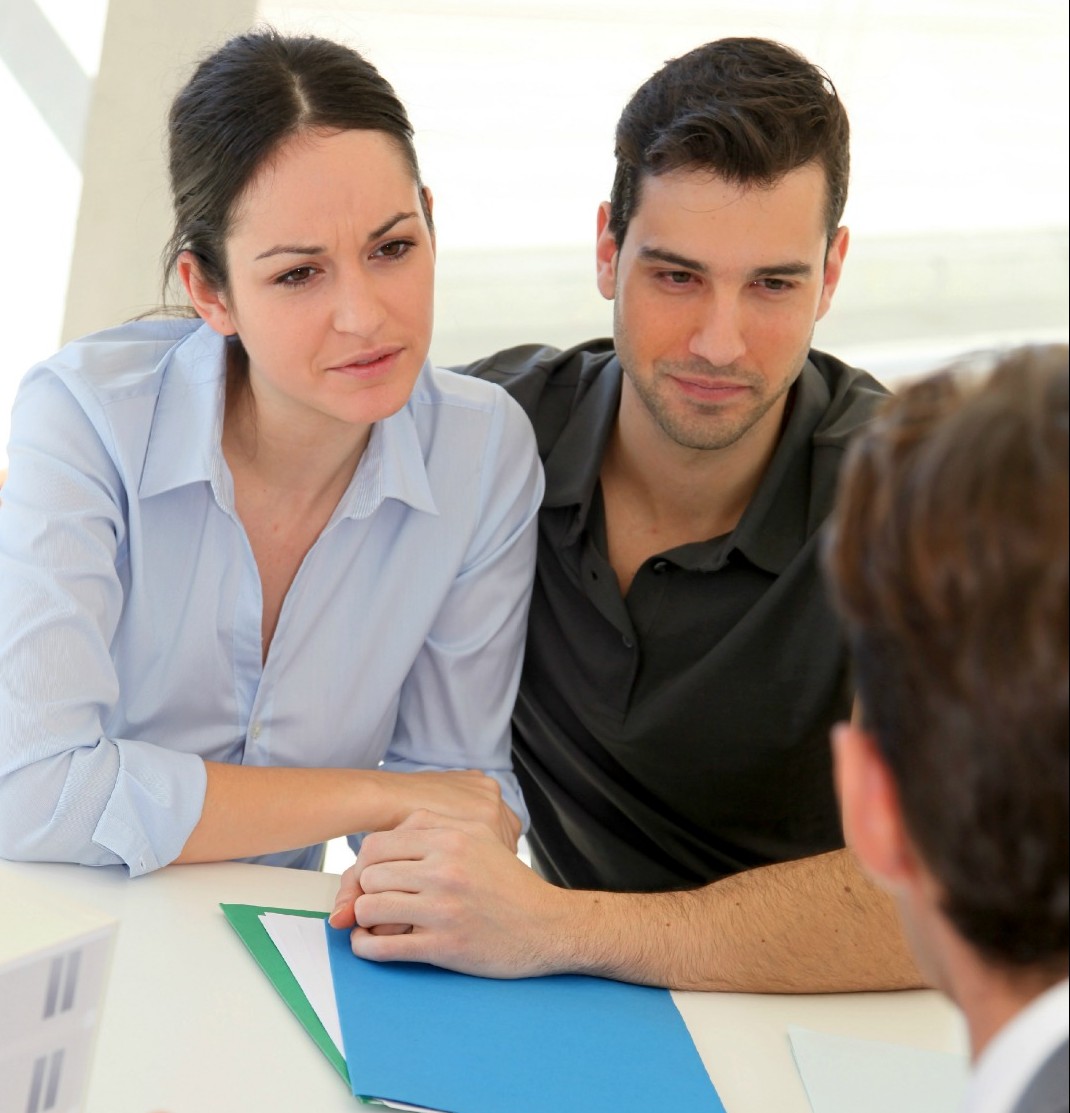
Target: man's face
column 717, row 289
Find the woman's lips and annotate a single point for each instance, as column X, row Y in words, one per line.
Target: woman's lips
column 369, row 365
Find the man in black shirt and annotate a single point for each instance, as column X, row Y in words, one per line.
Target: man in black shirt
column 683, row 665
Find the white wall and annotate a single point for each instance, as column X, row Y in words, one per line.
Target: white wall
column 958, row 205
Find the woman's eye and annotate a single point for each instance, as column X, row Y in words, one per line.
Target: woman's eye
column 295, row 277
column 395, row 249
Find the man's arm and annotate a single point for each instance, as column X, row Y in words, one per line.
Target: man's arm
column 811, row 926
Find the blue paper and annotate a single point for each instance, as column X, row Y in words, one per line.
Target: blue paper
column 424, row 1036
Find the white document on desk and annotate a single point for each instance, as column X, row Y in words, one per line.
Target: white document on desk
column 843, row 1074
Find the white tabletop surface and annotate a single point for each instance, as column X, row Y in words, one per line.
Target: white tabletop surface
column 191, row 1025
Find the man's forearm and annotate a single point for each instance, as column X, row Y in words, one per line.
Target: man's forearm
column 811, row 926
column 816, row 925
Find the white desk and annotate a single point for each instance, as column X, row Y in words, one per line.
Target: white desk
column 191, row 1025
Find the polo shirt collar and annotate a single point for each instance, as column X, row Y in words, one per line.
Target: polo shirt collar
column 573, row 465
column 185, row 441
column 774, row 525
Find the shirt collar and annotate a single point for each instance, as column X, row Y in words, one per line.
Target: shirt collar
column 392, row 467
column 573, row 465
column 776, row 522
column 1018, row 1050
column 187, row 424
column 185, row 442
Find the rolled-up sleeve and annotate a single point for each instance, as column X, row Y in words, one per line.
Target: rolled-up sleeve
column 68, row 791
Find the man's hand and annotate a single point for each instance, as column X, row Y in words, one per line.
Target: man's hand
column 473, row 906
column 815, row 925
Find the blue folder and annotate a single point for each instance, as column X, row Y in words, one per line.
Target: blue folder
column 462, row 1044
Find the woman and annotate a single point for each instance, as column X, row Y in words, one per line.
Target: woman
column 264, row 575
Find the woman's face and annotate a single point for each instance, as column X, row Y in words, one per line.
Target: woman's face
column 331, row 276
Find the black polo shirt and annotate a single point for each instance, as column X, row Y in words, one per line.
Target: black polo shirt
column 681, row 734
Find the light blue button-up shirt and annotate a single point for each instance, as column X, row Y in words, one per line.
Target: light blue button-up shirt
column 130, row 605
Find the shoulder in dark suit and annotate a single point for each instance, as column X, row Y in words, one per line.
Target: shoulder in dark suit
column 1047, row 1092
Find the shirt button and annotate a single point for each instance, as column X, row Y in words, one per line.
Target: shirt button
column 660, row 566
column 254, row 732
column 628, row 643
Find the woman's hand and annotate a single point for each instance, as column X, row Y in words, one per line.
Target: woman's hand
column 465, row 794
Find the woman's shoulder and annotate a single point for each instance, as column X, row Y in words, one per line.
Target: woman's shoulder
column 120, row 361
column 105, row 393
column 463, row 401
column 445, row 387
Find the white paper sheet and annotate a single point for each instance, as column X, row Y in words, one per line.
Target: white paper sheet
column 301, row 943
column 842, row 1074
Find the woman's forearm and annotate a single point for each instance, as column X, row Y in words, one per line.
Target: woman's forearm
column 252, row 810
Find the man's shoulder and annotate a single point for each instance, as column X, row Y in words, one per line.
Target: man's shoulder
column 1046, row 1090
column 854, row 397
column 548, row 382
column 541, row 362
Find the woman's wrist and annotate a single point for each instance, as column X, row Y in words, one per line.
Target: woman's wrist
column 379, row 800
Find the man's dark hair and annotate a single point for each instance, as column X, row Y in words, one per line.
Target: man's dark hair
column 748, row 110
column 949, row 559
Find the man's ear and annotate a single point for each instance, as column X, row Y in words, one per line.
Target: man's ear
column 869, row 804
column 204, row 297
column 834, row 257
column 606, row 255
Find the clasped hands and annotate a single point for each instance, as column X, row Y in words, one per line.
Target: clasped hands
column 446, row 891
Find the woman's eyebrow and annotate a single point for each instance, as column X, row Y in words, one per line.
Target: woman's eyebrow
column 314, row 249
column 290, row 249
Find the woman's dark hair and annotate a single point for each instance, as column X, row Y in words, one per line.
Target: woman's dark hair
column 949, row 561
column 242, row 102
column 749, row 110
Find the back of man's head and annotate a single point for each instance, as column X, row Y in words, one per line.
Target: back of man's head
column 748, row 110
column 949, row 560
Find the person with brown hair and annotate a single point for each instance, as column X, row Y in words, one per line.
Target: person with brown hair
column 683, row 664
column 264, row 573
column 951, row 566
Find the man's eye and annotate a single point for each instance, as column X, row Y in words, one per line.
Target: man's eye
column 677, row 278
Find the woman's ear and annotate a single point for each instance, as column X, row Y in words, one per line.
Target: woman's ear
column 869, row 804
column 204, row 297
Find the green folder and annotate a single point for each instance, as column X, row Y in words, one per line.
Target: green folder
column 245, row 920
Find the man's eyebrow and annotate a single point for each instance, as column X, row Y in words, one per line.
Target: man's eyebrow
column 659, row 255
column 784, row 270
column 315, row 249
column 793, row 269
